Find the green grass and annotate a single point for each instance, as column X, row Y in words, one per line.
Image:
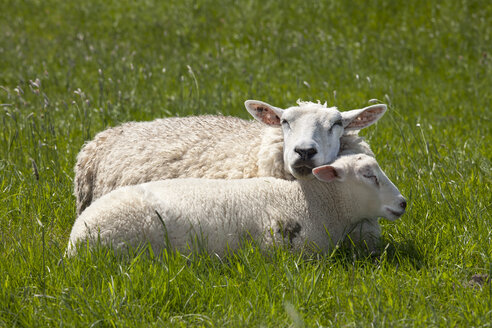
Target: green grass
column 100, row 63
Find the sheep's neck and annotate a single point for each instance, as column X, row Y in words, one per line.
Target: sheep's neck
column 270, row 154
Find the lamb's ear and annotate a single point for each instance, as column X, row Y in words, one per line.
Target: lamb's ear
column 264, row 112
column 360, row 118
column 329, row 173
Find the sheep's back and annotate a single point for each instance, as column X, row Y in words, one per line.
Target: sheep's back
column 216, row 147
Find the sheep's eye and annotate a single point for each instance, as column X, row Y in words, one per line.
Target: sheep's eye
column 337, row 123
column 373, row 178
column 284, row 123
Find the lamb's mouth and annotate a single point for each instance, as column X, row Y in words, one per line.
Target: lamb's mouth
column 395, row 213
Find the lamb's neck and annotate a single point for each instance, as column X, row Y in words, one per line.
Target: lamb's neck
column 337, row 204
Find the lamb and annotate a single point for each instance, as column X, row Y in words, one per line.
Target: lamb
column 313, row 215
column 287, row 144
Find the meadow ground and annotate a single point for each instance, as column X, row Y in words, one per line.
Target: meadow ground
column 70, row 69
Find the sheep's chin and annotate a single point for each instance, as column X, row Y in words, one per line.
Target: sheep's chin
column 302, row 173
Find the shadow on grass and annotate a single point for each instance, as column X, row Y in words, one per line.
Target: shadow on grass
column 407, row 250
column 388, row 251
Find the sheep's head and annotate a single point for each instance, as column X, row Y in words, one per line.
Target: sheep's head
column 312, row 131
column 361, row 175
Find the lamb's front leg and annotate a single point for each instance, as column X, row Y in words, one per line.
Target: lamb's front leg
column 366, row 234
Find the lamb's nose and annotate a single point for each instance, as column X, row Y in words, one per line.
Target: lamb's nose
column 306, row 153
column 403, row 204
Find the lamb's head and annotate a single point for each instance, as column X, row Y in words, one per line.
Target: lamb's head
column 374, row 195
column 312, row 131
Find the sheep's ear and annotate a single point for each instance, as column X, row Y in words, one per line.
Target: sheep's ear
column 328, row 173
column 360, row 118
column 264, row 112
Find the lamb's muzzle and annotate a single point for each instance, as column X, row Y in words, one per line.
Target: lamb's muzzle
column 396, row 213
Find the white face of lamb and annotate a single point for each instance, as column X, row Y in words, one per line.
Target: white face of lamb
column 376, row 195
column 390, row 203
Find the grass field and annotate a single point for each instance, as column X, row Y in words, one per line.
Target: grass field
column 70, row 69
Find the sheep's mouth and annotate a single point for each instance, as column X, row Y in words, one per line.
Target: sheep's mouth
column 302, row 171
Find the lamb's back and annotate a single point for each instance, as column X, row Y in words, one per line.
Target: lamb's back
column 218, row 214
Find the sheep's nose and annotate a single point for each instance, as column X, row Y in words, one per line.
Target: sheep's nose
column 403, row 204
column 306, row 153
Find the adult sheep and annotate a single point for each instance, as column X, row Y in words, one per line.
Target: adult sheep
column 217, row 215
column 287, row 144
